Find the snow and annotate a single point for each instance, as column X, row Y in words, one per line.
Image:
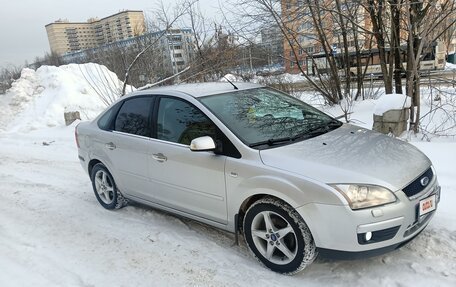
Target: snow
column 40, row 98
column 450, row 66
column 391, row 102
column 53, row 232
column 231, row 78
column 293, row 78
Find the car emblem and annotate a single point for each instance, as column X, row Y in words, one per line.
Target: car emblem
column 424, row 181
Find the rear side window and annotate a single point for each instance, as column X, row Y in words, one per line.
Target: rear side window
column 134, row 117
column 106, row 120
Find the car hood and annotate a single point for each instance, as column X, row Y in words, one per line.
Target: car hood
column 351, row 154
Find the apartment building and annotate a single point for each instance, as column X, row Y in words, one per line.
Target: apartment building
column 303, row 43
column 272, row 43
column 66, row 37
column 173, row 48
column 303, row 35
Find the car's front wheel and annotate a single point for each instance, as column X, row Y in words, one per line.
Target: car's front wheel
column 278, row 236
column 105, row 188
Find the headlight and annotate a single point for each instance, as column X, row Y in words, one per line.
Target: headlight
column 362, row 196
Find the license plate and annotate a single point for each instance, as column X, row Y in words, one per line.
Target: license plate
column 427, row 205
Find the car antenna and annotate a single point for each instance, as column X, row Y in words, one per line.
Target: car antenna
column 236, row 88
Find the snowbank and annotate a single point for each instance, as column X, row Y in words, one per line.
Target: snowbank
column 450, row 66
column 391, row 102
column 293, row 78
column 40, row 98
column 231, row 78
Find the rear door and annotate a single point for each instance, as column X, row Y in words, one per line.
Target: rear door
column 128, row 145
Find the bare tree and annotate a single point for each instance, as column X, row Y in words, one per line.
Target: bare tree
column 421, row 34
column 218, row 50
column 332, row 29
column 167, row 22
column 102, row 81
column 377, row 11
column 8, row 75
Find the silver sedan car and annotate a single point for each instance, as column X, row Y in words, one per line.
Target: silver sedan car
column 252, row 160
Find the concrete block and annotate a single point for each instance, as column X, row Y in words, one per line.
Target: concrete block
column 392, row 121
column 70, row 117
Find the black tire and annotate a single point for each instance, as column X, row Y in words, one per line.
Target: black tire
column 298, row 239
column 105, row 188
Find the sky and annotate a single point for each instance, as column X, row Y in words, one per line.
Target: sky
column 22, row 32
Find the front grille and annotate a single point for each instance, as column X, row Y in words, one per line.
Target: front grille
column 415, row 186
column 379, row 235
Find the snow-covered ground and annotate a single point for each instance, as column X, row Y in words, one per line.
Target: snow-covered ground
column 53, row 232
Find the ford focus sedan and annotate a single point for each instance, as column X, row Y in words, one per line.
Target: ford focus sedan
column 252, row 160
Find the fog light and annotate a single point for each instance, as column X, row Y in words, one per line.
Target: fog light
column 368, row 236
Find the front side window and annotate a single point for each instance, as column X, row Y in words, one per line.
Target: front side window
column 265, row 117
column 134, row 117
column 180, row 122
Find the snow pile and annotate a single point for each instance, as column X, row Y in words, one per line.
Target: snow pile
column 231, row 78
column 293, row 78
column 39, row 98
column 391, row 102
column 280, row 78
column 450, row 66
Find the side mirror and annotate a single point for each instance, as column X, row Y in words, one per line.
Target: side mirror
column 205, row 143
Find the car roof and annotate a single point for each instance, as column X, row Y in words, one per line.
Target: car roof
column 201, row 89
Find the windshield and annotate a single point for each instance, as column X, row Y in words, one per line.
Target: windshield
column 264, row 117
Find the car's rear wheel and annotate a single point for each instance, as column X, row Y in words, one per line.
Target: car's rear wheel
column 105, row 188
column 278, row 236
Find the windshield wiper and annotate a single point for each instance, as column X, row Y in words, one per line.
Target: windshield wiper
column 329, row 126
column 333, row 124
column 271, row 142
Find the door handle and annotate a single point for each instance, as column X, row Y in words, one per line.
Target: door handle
column 110, row 145
column 159, row 157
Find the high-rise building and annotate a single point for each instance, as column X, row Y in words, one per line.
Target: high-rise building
column 65, row 36
column 272, row 43
column 303, row 40
column 173, row 49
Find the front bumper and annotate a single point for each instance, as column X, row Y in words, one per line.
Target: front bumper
column 339, row 232
column 351, row 255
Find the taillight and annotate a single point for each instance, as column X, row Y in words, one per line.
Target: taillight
column 76, row 135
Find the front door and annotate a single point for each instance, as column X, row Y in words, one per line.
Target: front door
column 192, row 182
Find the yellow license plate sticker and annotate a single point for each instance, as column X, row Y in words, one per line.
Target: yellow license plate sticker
column 427, row 205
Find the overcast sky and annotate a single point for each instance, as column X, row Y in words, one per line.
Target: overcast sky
column 22, row 32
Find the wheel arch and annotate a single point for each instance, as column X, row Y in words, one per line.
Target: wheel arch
column 248, row 202
column 92, row 163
